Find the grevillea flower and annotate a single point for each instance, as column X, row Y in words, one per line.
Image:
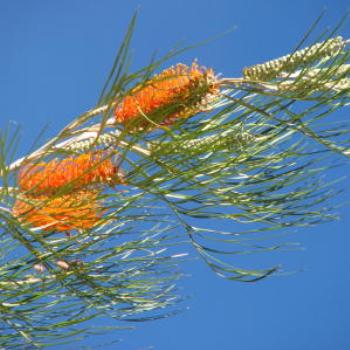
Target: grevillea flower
column 76, row 172
column 178, row 92
column 75, row 211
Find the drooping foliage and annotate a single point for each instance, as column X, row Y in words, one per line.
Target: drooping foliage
column 95, row 222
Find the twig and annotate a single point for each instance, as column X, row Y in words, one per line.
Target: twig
column 91, row 133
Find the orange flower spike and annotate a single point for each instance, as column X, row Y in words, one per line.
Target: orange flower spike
column 76, row 171
column 177, row 92
column 76, row 211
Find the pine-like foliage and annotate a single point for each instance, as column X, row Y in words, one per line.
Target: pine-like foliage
column 95, row 222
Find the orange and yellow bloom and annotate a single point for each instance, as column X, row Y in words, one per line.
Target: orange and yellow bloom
column 178, row 92
column 74, row 211
column 63, row 194
column 73, row 173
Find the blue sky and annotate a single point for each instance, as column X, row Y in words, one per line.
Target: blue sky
column 54, row 58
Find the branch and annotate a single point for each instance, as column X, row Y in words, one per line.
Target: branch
column 91, row 134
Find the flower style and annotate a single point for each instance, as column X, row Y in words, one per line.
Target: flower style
column 178, row 92
column 73, row 173
column 75, row 211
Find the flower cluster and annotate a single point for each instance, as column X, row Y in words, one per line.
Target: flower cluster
column 74, row 172
column 74, row 211
column 62, row 194
column 177, row 92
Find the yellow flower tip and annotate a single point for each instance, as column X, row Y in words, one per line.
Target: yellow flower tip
column 76, row 172
column 40, row 268
column 62, row 264
column 177, row 92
